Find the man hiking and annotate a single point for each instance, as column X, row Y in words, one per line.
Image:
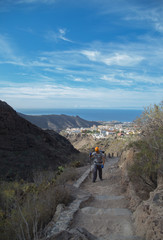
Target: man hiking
column 99, row 160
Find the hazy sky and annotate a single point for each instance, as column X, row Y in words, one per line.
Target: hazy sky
column 81, row 53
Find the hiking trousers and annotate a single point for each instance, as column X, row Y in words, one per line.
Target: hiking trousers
column 99, row 169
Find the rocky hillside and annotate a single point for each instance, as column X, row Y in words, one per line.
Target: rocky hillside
column 142, row 174
column 84, row 143
column 24, row 147
column 58, row 122
column 146, row 202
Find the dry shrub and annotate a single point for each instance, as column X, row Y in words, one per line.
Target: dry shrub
column 26, row 208
column 69, row 174
column 24, row 220
column 80, row 159
column 41, row 177
column 148, row 159
column 75, row 164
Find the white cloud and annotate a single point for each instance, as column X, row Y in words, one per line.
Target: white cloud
column 62, row 33
column 91, row 55
column 77, row 79
column 55, row 36
column 58, row 95
column 114, row 81
column 7, row 52
column 34, row 1
column 119, row 59
column 159, row 26
column 132, row 78
column 5, row 49
column 84, row 64
column 37, row 63
column 153, row 15
column 7, row 5
column 59, row 69
column 143, row 78
column 122, row 60
column 145, row 14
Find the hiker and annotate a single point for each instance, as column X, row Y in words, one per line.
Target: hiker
column 99, row 160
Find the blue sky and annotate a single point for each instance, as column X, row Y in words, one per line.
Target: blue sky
column 81, row 53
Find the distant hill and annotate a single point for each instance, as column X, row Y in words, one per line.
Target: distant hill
column 58, row 122
column 24, row 147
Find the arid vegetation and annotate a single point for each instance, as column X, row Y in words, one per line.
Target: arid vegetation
column 148, row 159
column 35, row 170
column 26, row 207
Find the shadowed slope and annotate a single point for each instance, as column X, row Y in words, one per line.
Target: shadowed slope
column 24, row 147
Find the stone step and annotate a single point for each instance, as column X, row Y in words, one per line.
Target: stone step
column 106, row 211
column 108, row 201
column 119, row 237
column 66, row 216
column 108, row 198
column 115, row 227
column 107, row 220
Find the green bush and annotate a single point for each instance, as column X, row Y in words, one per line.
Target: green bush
column 60, row 170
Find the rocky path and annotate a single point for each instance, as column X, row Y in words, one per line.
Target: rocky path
column 106, row 214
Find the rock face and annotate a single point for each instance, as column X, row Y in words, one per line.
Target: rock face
column 24, row 147
column 148, row 214
column 58, row 122
column 125, row 161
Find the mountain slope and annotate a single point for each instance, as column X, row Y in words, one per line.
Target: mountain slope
column 58, row 122
column 24, row 147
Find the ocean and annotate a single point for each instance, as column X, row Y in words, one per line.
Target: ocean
column 122, row 115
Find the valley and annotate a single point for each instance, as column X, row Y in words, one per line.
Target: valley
column 40, row 168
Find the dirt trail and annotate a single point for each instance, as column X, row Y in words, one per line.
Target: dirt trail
column 106, row 214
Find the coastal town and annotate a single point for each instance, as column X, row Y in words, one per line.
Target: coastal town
column 107, row 130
